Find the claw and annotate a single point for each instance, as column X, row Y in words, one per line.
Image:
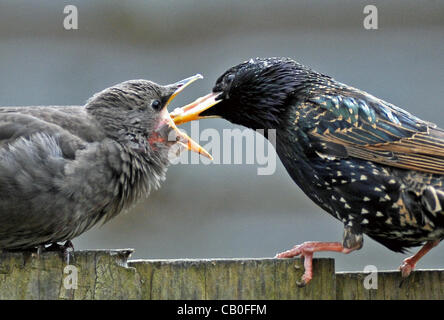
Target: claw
column 69, row 249
column 408, row 265
column 306, row 251
column 65, row 249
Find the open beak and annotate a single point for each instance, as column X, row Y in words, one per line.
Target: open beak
column 193, row 110
column 181, row 85
column 182, row 137
column 185, row 140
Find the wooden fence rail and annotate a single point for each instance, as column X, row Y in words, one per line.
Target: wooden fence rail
column 108, row 274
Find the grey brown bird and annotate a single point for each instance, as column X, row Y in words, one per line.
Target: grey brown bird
column 65, row 169
column 373, row 166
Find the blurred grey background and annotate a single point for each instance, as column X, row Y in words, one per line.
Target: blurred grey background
column 205, row 211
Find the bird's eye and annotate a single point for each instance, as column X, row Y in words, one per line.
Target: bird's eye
column 229, row 79
column 156, row 104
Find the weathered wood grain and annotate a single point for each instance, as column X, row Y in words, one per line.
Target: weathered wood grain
column 217, row 279
column 422, row 284
column 101, row 275
column 107, row 274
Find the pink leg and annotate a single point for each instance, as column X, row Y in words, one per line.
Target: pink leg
column 307, row 249
column 409, row 264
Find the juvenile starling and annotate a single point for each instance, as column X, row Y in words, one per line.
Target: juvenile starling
column 371, row 165
column 64, row 169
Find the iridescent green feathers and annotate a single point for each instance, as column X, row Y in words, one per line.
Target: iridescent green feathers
column 342, row 121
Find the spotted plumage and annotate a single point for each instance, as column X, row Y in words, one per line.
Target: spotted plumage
column 373, row 166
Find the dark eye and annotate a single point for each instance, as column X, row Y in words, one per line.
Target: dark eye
column 229, row 79
column 156, row 104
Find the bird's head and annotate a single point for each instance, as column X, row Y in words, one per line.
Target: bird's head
column 253, row 93
column 135, row 113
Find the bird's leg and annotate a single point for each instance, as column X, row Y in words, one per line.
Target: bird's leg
column 409, row 264
column 40, row 250
column 64, row 249
column 68, row 247
column 307, row 249
column 352, row 240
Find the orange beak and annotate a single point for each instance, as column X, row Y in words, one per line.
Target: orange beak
column 182, row 137
column 193, row 110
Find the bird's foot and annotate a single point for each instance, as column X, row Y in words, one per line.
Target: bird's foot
column 408, row 265
column 39, row 251
column 303, row 250
column 66, row 249
column 306, row 251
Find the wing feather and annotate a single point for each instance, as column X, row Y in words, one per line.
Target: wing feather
column 372, row 129
column 17, row 123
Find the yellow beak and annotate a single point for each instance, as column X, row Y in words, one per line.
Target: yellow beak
column 193, row 110
column 183, row 138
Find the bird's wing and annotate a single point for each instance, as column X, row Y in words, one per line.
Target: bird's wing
column 18, row 124
column 359, row 125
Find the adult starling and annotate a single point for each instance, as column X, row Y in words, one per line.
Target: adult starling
column 371, row 165
column 64, row 169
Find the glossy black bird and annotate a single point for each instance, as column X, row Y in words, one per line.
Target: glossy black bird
column 373, row 166
column 65, row 169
